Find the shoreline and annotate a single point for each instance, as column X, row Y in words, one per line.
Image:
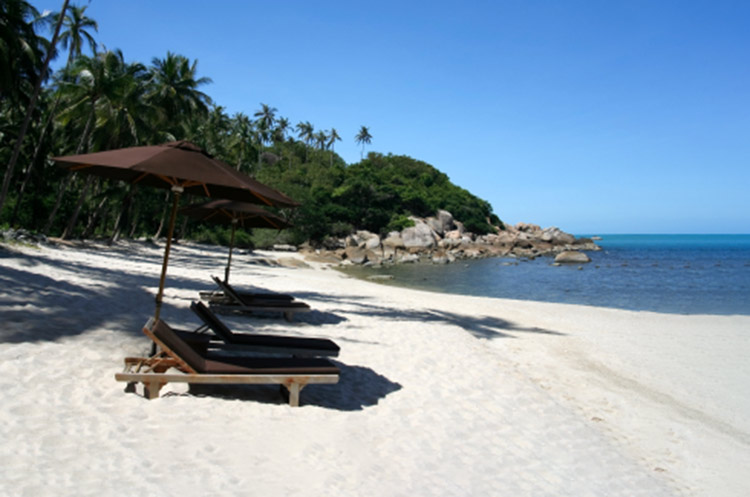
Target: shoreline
column 538, row 281
column 488, row 394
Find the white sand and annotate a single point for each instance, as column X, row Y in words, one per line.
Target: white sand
column 439, row 394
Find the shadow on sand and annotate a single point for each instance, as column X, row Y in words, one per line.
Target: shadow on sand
column 43, row 299
column 358, row 388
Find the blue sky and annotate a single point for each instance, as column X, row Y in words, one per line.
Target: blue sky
column 596, row 117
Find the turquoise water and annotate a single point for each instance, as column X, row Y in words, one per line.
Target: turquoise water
column 684, row 274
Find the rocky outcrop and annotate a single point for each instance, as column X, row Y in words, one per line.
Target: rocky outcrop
column 441, row 240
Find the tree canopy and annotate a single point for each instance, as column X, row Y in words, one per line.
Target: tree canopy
column 100, row 102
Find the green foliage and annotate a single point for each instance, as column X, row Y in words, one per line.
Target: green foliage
column 398, row 223
column 377, row 194
column 221, row 235
column 100, row 101
column 265, row 238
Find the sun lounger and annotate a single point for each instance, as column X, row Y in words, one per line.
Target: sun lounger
column 257, row 342
column 237, row 303
column 220, row 297
column 292, row 373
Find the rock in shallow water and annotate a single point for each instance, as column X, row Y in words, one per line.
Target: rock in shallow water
column 571, row 257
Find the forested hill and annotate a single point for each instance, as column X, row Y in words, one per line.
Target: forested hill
column 377, row 194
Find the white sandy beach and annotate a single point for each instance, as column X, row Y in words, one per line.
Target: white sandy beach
column 439, row 394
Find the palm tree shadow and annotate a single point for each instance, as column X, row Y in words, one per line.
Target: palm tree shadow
column 37, row 307
column 480, row 326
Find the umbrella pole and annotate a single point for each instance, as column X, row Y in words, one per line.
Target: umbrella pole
column 177, row 190
column 231, row 247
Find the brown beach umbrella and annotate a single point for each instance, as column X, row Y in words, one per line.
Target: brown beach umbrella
column 234, row 213
column 182, row 167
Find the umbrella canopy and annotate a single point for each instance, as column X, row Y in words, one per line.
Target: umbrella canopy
column 231, row 212
column 234, row 213
column 182, row 167
column 180, row 164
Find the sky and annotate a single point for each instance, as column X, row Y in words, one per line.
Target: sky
column 595, row 117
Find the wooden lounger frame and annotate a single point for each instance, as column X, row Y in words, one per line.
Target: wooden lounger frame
column 236, row 303
column 226, row 341
column 219, row 297
column 151, row 371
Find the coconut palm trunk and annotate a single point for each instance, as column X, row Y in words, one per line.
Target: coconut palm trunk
column 95, row 217
column 81, row 199
column 32, row 162
column 66, row 183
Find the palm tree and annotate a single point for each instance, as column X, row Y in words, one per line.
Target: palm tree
column 15, row 11
column 306, row 132
column 94, row 95
column 332, row 139
column 175, row 92
column 242, row 136
column 92, row 79
column 265, row 119
column 363, row 138
column 321, row 138
column 75, row 34
column 21, row 50
column 74, row 37
column 279, row 136
column 266, row 116
column 216, row 131
column 279, row 132
column 124, row 117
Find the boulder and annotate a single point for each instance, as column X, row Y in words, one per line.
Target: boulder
column 356, row 255
column 572, row 257
column 440, row 259
column 435, row 225
column 489, row 239
column 388, row 253
column 449, row 242
column 507, row 237
column 373, row 257
column 394, row 241
column 528, row 227
column 284, row 248
column 445, row 219
column 496, row 250
column 522, row 242
column 330, row 243
column 541, row 246
column 452, row 235
column 557, row 236
column 372, row 242
column 473, row 252
column 408, row 258
column 327, row 257
column 419, row 237
column 352, row 241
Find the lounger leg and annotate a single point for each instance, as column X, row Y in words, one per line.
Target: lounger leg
column 289, row 316
column 151, row 389
column 294, row 390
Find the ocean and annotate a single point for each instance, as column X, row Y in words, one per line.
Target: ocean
column 682, row 274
